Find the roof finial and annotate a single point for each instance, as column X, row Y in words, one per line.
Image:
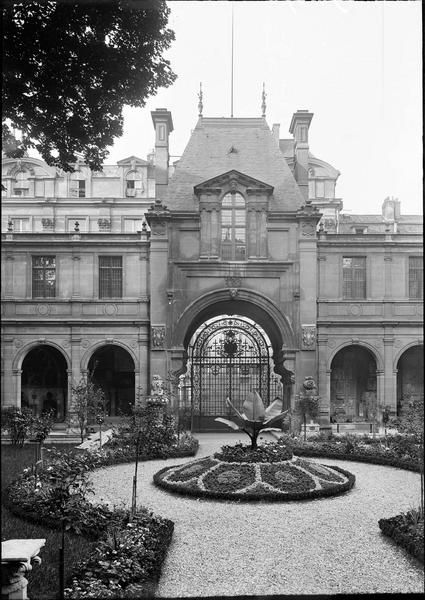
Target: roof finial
column 200, row 105
column 263, row 96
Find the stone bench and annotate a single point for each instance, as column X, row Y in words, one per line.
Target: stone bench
column 16, row 558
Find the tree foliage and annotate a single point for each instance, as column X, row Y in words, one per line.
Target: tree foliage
column 88, row 402
column 69, row 67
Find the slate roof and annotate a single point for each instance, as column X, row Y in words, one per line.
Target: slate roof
column 255, row 153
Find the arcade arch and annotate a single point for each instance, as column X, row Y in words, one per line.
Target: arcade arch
column 112, row 368
column 44, row 381
column 353, row 385
column 410, row 382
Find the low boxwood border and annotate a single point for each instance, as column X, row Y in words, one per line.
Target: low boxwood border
column 252, row 497
column 387, row 461
column 394, row 529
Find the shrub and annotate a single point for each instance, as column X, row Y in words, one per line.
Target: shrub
column 18, row 423
column 266, row 453
column 407, row 530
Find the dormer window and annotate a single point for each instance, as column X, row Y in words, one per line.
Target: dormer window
column 77, row 187
column 233, row 227
column 21, row 184
column 134, row 184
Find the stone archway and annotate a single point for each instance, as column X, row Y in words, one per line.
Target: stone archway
column 353, row 385
column 410, row 377
column 44, row 381
column 113, row 369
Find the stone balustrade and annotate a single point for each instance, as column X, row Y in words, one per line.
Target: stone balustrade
column 16, row 559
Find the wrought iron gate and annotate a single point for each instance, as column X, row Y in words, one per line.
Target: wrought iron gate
column 229, row 358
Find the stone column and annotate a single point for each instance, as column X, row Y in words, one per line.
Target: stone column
column 205, row 232
column 215, row 232
column 8, row 286
column 75, row 276
column 17, row 379
column 263, row 233
column 16, row 558
column 390, row 376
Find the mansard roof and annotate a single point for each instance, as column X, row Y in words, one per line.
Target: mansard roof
column 220, row 145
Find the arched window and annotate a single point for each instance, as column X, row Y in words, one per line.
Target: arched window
column 134, row 184
column 233, row 227
column 21, row 184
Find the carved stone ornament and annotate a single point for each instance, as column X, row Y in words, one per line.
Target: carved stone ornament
column 232, row 282
column 47, row 223
column 158, row 228
column 308, row 229
column 308, row 337
column 157, row 337
column 233, row 293
column 104, row 224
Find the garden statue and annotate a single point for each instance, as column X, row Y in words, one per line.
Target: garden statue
column 308, row 402
column 158, row 394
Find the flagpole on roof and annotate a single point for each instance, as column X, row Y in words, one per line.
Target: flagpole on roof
column 231, row 77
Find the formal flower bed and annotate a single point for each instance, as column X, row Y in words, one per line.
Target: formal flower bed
column 400, row 451
column 407, row 530
column 58, row 491
column 251, row 476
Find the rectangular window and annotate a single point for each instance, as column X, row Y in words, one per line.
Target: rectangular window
column 132, row 225
column 77, row 188
column 43, row 276
column 416, row 277
column 21, row 225
column 110, row 276
column 320, row 189
column 354, row 277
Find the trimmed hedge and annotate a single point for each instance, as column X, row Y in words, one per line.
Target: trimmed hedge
column 389, row 461
column 403, row 531
column 259, row 492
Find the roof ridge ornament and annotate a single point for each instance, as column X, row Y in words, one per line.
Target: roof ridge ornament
column 200, row 105
column 263, row 97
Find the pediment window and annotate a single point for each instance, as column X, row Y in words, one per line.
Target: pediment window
column 233, row 213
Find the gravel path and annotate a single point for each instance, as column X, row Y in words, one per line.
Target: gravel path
column 326, row 546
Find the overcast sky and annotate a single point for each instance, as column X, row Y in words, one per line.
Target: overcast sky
column 356, row 65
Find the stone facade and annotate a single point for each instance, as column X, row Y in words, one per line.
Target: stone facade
column 115, row 272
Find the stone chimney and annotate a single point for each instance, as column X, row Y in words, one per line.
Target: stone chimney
column 299, row 127
column 275, row 132
column 391, row 209
column 163, row 123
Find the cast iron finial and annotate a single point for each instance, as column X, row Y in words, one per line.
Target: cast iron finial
column 200, row 105
column 263, row 96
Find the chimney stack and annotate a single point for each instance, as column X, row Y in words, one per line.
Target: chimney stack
column 275, row 132
column 299, row 127
column 163, row 123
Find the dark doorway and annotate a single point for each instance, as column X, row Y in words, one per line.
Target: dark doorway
column 410, row 378
column 353, row 386
column 229, row 357
column 112, row 368
column 44, row 383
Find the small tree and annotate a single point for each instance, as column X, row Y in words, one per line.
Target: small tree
column 307, row 406
column 40, row 429
column 88, row 400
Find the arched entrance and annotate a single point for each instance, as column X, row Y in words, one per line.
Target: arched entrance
column 112, row 368
column 228, row 356
column 410, row 377
column 353, row 386
column 44, row 382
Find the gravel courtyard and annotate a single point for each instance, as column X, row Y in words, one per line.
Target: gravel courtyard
column 326, row 546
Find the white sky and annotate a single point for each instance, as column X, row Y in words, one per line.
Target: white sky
column 356, row 65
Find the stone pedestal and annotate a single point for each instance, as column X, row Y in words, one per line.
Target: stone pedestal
column 16, row 558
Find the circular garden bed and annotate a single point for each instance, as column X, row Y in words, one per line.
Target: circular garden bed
column 254, row 476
